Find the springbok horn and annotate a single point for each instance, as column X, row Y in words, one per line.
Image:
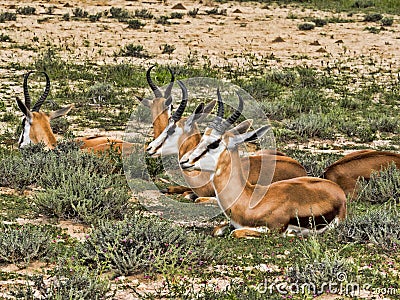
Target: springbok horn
column 179, row 112
column 216, row 124
column 232, row 119
column 170, row 85
column 221, row 127
column 153, row 87
column 38, row 104
column 26, row 92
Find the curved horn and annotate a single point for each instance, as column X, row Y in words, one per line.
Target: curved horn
column 232, row 119
column 38, row 104
column 220, row 111
column 170, row 85
column 153, row 87
column 179, row 112
column 216, row 123
column 26, row 92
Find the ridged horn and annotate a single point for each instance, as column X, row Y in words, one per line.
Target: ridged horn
column 232, row 119
column 153, row 87
column 46, row 92
column 26, row 92
column 179, row 112
column 168, row 90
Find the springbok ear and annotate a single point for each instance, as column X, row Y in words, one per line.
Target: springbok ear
column 247, row 136
column 145, row 102
column 60, row 112
column 242, row 127
column 195, row 116
column 23, row 108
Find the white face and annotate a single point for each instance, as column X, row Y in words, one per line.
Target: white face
column 24, row 138
column 167, row 143
column 206, row 154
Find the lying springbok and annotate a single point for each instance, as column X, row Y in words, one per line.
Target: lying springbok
column 182, row 135
column 36, row 124
column 290, row 205
column 346, row 171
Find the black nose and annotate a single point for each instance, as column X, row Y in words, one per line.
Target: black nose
column 148, row 149
column 184, row 162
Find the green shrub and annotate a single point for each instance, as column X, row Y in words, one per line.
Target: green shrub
column 95, row 17
column 35, row 166
column 5, row 38
column 217, row 11
column 317, row 265
column 139, row 244
column 306, row 26
column 193, row 12
column 135, row 24
column 22, row 244
column 311, row 125
column 363, row 4
column 67, row 282
column 7, row 16
column 79, row 13
column 119, row 13
column 134, row 51
column 101, row 93
column 383, row 186
column 83, row 196
column 26, row 10
column 177, row 15
column 380, row 226
column 387, row 21
column 167, row 49
column 143, row 14
column 163, row 20
column 66, row 17
column 319, row 22
column 373, row 17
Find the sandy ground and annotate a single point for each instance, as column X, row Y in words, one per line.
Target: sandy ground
column 248, row 31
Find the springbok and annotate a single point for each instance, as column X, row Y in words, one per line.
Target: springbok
column 346, row 171
column 290, row 205
column 160, row 106
column 36, row 124
column 182, row 135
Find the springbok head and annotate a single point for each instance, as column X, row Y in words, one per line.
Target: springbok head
column 35, row 124
column 180, row 133
column 160, row 106
column 211, row 141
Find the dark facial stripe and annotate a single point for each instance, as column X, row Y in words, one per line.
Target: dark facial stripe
column 22, row 133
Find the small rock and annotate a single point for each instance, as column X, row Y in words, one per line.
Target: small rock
column 237, row 11
column 315, row 43
column 339, row 42
column 278, row 40
column 179, row 6
column 321, row 50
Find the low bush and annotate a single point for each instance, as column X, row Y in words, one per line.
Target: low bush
column 380, row 226
column 383, row 186
column 66, row 282
column 22, row 244
column 142, row 244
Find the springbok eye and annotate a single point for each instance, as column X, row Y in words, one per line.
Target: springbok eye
column 214, row 145
column 171, row 130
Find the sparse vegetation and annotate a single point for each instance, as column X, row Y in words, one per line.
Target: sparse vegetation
column 134, row 51
column 7, row 16
column 26, row 10
column 307, row 26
